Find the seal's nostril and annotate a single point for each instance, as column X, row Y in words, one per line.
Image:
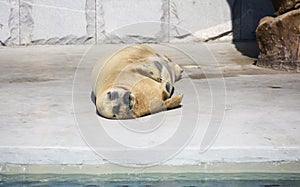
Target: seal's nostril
column 126, row 98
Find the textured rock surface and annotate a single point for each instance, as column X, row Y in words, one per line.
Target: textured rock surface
column 283, row 6
column 279, row 42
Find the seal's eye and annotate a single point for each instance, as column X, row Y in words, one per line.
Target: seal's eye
column 127, row 99
column 130, row 103
column 113, row 95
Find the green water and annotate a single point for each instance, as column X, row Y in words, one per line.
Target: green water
column 158, row 180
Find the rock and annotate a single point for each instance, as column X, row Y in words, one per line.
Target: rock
column 279, row 41
column 283, row 6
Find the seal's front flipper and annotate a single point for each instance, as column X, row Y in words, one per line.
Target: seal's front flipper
column 174, row 101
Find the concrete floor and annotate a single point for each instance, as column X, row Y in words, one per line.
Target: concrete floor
column 233, row 114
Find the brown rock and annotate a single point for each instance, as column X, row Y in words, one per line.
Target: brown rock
column 283, row 6
column 279, row 41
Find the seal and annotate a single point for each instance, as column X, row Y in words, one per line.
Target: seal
column 135, row 81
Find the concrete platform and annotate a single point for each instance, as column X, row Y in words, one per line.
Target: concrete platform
column 235, row 117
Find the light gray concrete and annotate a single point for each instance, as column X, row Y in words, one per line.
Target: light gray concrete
column 10, row 33
column 4, row 16
column 54, row 19
column 130, row 22
column 30, row 22
column 254, row 119
column 186, row 15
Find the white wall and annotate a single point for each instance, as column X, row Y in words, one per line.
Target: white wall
column 26, row 22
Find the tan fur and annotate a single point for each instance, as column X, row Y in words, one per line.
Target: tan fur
column 129, row 84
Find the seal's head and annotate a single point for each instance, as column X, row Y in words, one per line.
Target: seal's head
column 145, row 97
column 116, row 103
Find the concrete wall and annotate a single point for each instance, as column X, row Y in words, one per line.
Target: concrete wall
column 24, row 22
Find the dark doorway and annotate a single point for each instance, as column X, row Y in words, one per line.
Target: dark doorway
column 245, row 15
